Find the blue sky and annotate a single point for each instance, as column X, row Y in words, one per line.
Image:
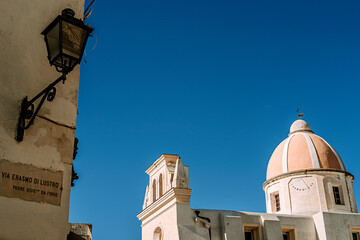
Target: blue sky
column 217, row 82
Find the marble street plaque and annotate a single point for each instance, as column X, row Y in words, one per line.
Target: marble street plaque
column 30, row 183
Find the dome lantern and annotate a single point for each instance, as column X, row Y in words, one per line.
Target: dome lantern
column 300, row 126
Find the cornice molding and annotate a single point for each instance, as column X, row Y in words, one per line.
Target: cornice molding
column 160, row 159
column 305, row 172
column 177, row 194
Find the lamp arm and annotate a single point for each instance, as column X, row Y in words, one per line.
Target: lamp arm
column 27, row 107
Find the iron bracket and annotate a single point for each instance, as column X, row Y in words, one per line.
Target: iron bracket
column 28, row 112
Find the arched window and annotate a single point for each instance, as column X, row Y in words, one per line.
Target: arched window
column 154, row 190
column 160, row 185
column 157, row 234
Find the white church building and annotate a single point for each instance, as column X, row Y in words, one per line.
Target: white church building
column 309, row 196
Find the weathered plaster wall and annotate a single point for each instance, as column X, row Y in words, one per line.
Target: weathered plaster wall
column 266, row 226
column 48, row 144
column 336, row 226
column 304, row 227
column 165, row 219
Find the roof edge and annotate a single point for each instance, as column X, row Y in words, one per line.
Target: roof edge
column 306, row 171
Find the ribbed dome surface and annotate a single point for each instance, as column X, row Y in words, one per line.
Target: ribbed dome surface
column 303, row 150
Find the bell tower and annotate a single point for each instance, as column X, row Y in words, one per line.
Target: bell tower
column 166, row 194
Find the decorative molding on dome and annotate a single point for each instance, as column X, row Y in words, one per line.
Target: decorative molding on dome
column 313, row 154
column 298, row 131
column 305, row 172
column 285, row 154
column 336, row 154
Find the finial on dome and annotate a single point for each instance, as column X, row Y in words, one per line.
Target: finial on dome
column 300, row 115
column 300, row 126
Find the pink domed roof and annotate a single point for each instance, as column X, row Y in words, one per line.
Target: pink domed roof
column 303, row 150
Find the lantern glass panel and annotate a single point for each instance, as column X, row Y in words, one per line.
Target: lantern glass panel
column 73, row 39
column 68, row 62
column 53, row 42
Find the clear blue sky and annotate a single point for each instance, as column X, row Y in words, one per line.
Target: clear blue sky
column 217, row 82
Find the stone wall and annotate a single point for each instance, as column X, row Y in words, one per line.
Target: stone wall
column 48, row 143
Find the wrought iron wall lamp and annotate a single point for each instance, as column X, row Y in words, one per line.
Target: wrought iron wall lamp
column 65, row 40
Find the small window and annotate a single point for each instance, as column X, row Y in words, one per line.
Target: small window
column 288, row 234
column 251, row 233
column 337, row 195
column 277, row 202
column 355, row 235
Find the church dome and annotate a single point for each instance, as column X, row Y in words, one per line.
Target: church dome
column 303, row 150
